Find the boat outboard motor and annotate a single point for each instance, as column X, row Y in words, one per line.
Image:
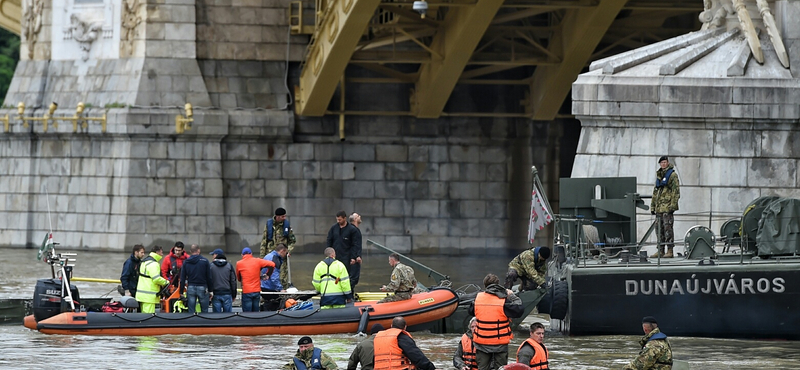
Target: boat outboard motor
column 364, row 321
column 48, row 299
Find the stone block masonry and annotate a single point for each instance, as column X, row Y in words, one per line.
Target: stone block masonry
column 450, row 186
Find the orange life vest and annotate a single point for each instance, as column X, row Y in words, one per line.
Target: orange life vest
column 494, row 327
column 468, row 352
column 539, row 359
column 388, row 354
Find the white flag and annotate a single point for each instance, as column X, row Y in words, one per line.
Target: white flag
column 540, row 215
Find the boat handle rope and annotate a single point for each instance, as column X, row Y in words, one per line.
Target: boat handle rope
column 279, row 313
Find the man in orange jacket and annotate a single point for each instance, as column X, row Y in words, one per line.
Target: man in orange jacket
column 248, row 271
column 532, row 351
column 493, row 308
column 395, row 349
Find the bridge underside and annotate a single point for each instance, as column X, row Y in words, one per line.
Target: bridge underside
column 535, row 48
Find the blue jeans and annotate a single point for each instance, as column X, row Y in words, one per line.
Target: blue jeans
column 195, row 293
column 251, row 301
column 222, row 303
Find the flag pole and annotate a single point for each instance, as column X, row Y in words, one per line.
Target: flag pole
column 538, row 184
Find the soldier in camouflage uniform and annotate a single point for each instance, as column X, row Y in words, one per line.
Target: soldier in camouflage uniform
column 656, row 353
column 305, row 355
column 276, row 231
column 530, row 266
column 666, row 194
column 403, row 283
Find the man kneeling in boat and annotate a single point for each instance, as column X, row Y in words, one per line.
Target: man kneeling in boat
column 308, row 357
column 332, row 281
column 656, row 353
column 529, row 266
column 403, row 282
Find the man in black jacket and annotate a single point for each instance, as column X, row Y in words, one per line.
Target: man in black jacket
column 130, row 270
column 223, row 286
column 345, row 239
column 196, row 278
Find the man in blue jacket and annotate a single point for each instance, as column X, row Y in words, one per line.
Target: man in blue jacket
column 130, row 270
column 196, row 278
column 272, row 283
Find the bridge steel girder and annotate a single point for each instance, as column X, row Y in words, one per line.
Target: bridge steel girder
column 455, row 41
column 581, row 32
column 334, row 42
column 10, row 15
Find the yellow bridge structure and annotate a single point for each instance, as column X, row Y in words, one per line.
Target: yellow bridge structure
column 539, row 45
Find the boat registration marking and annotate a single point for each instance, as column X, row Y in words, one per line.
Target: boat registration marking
column 426, row 301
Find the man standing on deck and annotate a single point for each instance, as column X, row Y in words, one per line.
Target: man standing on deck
column 196, row 279
column 530, row 266
column 332, row 281
column 666, row 194
column 493, row 308
column 278, row 231
column 150, row 283
column 355, row 268
column 223, row 288
column 656, row 353
column 130, row 270
column 346, row 240
column 308, row 357
column 532, row 351
column 171, row 264
column 248, row 271
column 403, row 282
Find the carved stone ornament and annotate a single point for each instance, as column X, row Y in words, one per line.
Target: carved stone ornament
column 84, row 32
column 32, row 16
column 130, row 20
column 715, row 15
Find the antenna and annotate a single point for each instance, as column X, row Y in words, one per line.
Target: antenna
column 49, row 217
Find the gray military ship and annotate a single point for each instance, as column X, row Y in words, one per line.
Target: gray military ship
column 740, row 282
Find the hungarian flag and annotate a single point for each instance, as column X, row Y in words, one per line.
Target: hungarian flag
column 47, row 245
column 540, row 215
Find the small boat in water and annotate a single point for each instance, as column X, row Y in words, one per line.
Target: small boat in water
column 58, row 310
column 420, row 309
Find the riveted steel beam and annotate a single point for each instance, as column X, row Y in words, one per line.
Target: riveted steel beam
column 581, row 32
column 342, row 24
column 461, row 30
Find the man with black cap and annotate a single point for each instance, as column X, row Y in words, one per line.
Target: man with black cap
column 364, row 352
column 530, row 267
column 278, row 231
column 656, row 353
column 223, row 286
column 666, row 194
column 308, row 357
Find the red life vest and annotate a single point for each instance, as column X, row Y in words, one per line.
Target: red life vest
column 388, row 354
column 539, row 359
column 468, row 352
column 494, row 327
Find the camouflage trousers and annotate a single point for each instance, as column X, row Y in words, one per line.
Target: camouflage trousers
column 666, row 235
column 396, row 297
column 511, row 277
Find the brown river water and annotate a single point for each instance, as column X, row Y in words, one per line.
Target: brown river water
column 21, row 348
